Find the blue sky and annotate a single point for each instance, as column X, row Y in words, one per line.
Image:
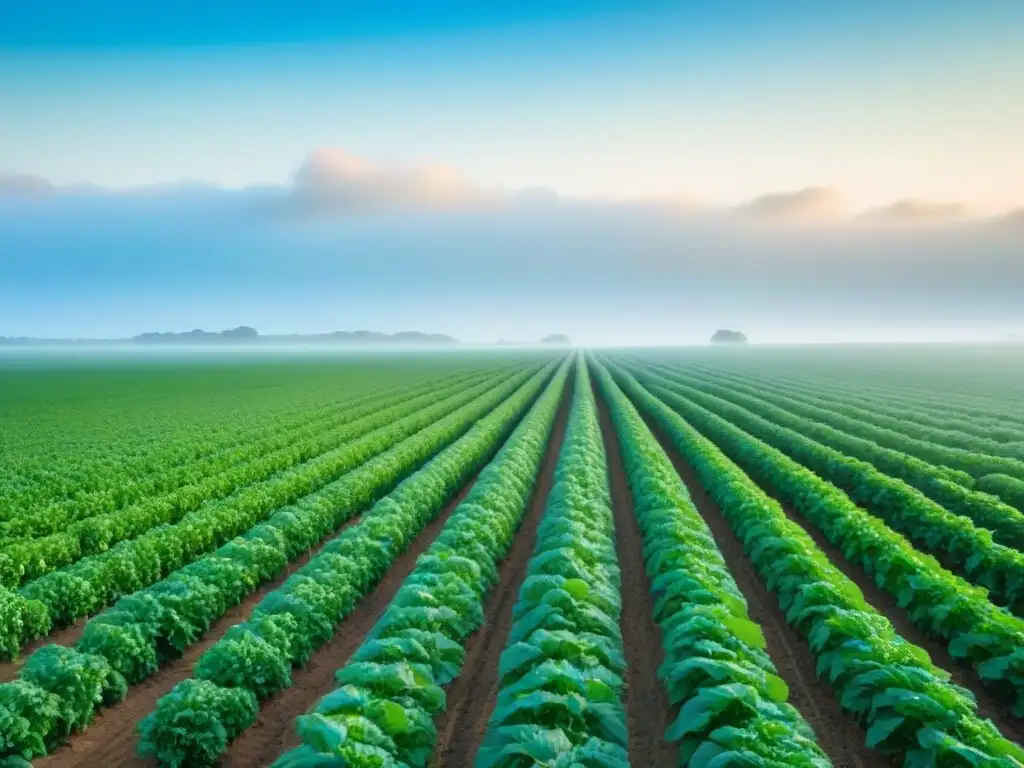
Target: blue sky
column 86, row 24
column 707, row 103
column 718, row 101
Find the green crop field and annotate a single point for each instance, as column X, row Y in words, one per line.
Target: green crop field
column 711, row 557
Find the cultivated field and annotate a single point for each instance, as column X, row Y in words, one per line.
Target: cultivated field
column 720, row 558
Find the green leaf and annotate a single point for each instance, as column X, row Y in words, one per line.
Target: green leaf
column 713, row 707
column 882, row 729
column 505, row 743
column 746, row 630
column 321, row 733
column 578, row 588
column 705, row 754
column 776, row 688
column 307, row 757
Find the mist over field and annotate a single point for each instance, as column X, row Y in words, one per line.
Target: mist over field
column 117, row 264
column 620, row 172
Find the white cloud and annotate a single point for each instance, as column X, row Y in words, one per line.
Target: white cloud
column 808, row 205
column 917, row 211
column 334, row 181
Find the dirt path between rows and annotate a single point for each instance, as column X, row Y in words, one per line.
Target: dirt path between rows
column 838, row 733
column 471, row 696
column 648, row 711
column 989, row 706
column 274, row 729
column 111, row 738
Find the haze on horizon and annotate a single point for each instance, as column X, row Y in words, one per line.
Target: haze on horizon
column 623, row 172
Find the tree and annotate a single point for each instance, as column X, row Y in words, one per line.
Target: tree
column 555, row 338
column 723, row 336
column 241, row 332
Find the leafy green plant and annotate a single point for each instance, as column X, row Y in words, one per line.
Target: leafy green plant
column 95, row 581
column 855, row 646
column 944, row 475
column 28, row 715
column 318, row 596
column 171, row 614
column 954, row 539
column 551, row 709
column 21, row 621
column 395, row 677
column 82, row 528
column 715, row 668
column 200, row 714
column 939, row 602
column 80, row 682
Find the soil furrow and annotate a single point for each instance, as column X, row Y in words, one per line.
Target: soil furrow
column 274, row 729
column 837, row 733
column 111, row 738
column 648, row 711
column 471, row 696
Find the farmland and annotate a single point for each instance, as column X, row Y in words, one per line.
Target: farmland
column 705, row 557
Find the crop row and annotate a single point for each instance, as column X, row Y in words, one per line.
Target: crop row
column 93, row 582
column 907, row 705
column 894, row 463
column 978, row 437
column 950, row 488
column 186, row 481
column 953, row 407
column 391, row 688
column 30, row 559
column 938, row 425
column 732, row 703
column 954, row 539
column 959, row 404
column 138, row 436
column 103, row 449
column 1009, row 489
column 128, row 643
column 254, row 659
column 975, row 463
column 134, row 463
column 561, row 675
column 938, row 602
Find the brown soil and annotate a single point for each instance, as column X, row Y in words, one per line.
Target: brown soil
column 472, row 694
column 110, row 739
column 274, row 730
column 989, row 706
column 648, row 711
column 839, row 735
column 67, row 636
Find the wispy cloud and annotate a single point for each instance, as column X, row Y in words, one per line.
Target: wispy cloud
column 808, row 205
column 917, row 211
column 333, row 181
